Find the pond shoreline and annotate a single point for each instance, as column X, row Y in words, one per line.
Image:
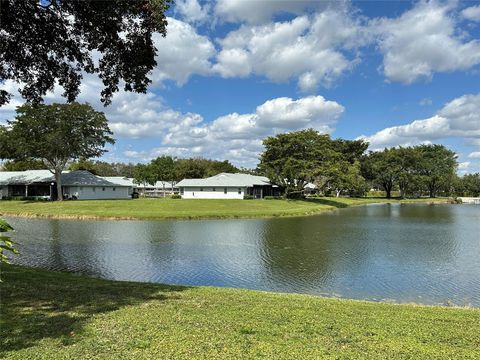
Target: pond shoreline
column 318, row 206
column 63, row 315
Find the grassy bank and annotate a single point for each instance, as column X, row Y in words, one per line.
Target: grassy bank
column 184, row 209
column 49, row 315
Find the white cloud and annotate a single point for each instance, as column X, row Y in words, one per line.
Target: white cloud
column 424, row 40
column 191, row 10
column 237, row 137
column 313, row 49
column 263, row 11
column 425, row 102
column 474, row 155
column 472, row 13
column 460, row 118
column 181, row 54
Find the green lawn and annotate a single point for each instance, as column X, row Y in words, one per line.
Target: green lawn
column 183, row 209
column 50, row 315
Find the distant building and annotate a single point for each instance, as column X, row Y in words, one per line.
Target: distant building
column 227, row 186
column 160, row 188
column 80, row 184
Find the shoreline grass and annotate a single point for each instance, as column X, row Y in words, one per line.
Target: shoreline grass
column 164, row 209
column 55, row 315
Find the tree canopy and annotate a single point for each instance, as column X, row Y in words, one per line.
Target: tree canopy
column 292, row 160
column 55, row 134
column 414, row 170
column 47, row 42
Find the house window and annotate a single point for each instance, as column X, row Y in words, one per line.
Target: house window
column 181, row 191
column 213, row 189
column 103, row 189
column 94, row 189
column 201, row 189
column 113, row 189
column 240, row 191
column 81, row 188
column 224, row 190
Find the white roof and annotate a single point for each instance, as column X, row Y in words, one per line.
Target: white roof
column 119, row 180
column 69, row 178
column 226, row 180
column 25, row 177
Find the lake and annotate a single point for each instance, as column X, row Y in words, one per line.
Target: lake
column 426, row 254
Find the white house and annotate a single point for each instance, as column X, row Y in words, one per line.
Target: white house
column 79, row 184
column 227, row 186
column 160, row 188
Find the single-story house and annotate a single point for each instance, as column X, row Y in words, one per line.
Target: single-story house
column 160, row 188
column 227, row 186
column 78, row 184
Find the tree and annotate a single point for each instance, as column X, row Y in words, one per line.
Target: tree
column 293, row 159
column 382, row 168
column 437, row 166
column 143, row 174
column 56, row 134
column 22, row 165
column 163, row 168
column 470, row 184
column 49, row 41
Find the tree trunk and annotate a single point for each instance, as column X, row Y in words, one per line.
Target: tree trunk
column 58, row 180
column 163, row 183
column 338, row 192
column 388, row 191
column 402, row 192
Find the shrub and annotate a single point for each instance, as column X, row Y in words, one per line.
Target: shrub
column 248, row 197
column 273, row 197
column 176, row 196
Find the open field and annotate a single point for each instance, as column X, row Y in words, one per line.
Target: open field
column 185, row 209
column 51, row 315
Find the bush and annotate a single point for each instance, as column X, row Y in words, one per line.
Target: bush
column 249, row 197
column 25, row 198
column 176, row 196
column 273, row 197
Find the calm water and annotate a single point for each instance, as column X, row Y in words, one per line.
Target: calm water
column 403, row 253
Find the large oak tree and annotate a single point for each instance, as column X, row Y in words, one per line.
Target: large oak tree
column 44, row 42
column 55, row 134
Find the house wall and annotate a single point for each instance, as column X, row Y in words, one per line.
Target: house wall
column 3, row 191
column 98, row 192
column 208, row 193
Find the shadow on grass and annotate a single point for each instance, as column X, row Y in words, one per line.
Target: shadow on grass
column 37, row 304
column 329, row 202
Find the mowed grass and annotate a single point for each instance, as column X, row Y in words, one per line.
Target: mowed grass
column 50, row 315
column 184, row 209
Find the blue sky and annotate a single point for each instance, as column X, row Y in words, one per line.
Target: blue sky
column 231, row 72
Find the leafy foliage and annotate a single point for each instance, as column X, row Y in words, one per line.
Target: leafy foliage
column 55, row 134
column 103, row 168
column 6, row 244
column 414, row 170
column 44, row 42
column 294, row 159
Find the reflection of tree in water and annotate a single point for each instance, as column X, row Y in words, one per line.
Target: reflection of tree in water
column 297, row 252
column 413, row 234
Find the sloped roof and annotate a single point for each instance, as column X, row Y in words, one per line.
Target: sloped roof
column 226, row 180
column 69, row 178
column 120, row 180
column 85, row 178
column 25, row 177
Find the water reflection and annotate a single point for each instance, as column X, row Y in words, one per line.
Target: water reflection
column 418, row 253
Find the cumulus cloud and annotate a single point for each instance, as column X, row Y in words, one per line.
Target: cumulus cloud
column 422, row 41
column 460, row 118
column 472, row 13
column 238, row 137
column 263, row 11
column 191, row 10
column 475, row 155
column 313, row 49
column 181, row 54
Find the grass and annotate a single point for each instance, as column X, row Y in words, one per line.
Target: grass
column 184, row 209
column 51, row 315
